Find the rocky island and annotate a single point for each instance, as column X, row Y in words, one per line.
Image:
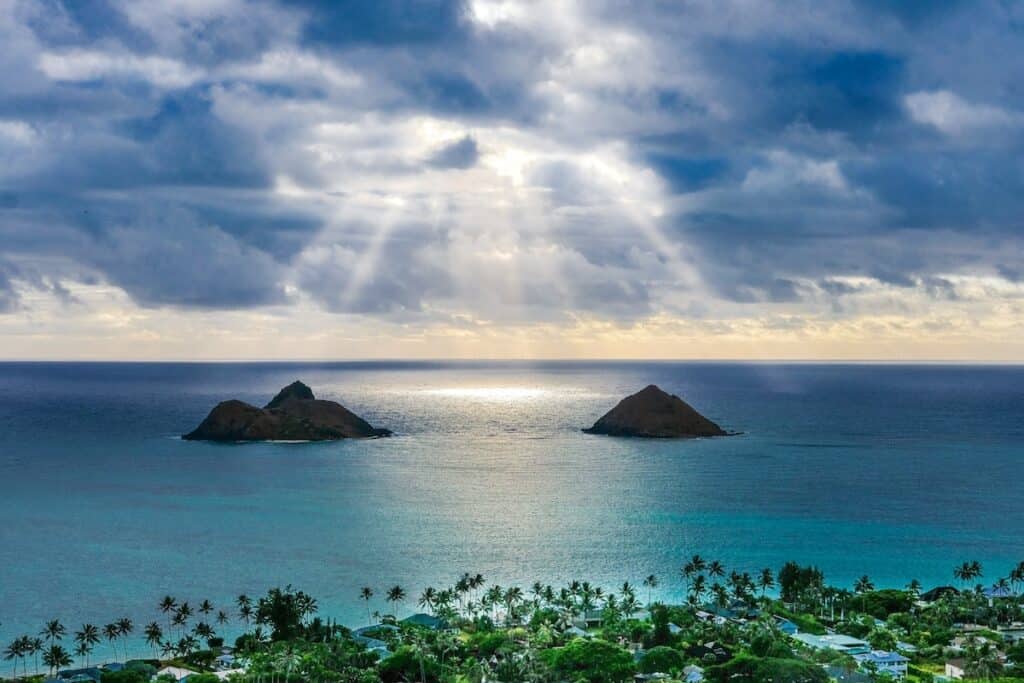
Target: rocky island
column 653, row 413
column 295, row 414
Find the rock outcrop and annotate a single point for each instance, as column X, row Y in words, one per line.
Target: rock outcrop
column 653, row 413
column 295, row 414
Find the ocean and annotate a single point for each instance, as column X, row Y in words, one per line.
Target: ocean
column 897, row 472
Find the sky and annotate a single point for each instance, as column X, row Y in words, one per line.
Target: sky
column 275, row 179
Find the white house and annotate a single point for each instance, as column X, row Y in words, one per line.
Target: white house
column 892, row 663
column 956, row 669
column 177, row 673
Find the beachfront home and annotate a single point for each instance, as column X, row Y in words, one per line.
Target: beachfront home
column 175, row 672
column 883, row 662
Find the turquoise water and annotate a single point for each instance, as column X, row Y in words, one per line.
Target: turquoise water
column 894, row 471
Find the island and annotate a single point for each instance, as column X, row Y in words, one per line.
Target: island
column 655, row 414
column 295, row 414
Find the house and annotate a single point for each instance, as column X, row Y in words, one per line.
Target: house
column 693, row 674
column 575, row 632
column 175, row 672
column 1014, row 633
column 674, row 629
column 937, row 593
column 113, row 666
column 833, row 641
column 956, row 668
column 712, row 652
column 88, row 675
column 786, row 626
column 225, row 661
column 843, row 676
column 892, row 663
column 428, row 621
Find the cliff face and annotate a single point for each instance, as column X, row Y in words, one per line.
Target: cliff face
column 295, row 414
column 653, row 413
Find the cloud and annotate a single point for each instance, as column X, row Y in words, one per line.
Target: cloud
column 953, row 115
column 511, row 163
column 462, row 153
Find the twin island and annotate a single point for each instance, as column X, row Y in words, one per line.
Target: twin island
column 295, row 414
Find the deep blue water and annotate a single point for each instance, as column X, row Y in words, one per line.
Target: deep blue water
column 894, row 471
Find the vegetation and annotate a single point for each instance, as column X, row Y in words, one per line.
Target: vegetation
column 727, row 628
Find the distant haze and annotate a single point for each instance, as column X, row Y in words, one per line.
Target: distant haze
column 504, row 178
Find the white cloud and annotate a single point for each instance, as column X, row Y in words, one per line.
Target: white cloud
column 87, row 65
column 954, row 115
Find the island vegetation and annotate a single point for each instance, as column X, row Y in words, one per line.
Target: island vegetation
column 788, row 625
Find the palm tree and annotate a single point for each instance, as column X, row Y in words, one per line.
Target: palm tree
column 222, row 618
column 366, row 593
column 651, row 582
column 56, row 658
column 112, row 632
column 914, row 588
column 154, row 635
column 205, row 607
column 33, row 647
column 244, row 603
column 862, row 587
column 125, row 627
column 698, row 589
column 428, row 598
column 82, row 649
column 168, row 605
column 14, row 651
column 53, row 631
column 715, row 569
column 513, row 596
column 765, row 580
column 204, row 631
column 396, row 594
column 86, row 637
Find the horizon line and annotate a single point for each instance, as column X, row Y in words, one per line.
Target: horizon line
column 739, row 361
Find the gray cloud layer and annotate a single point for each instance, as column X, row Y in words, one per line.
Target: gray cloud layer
column 508, row 160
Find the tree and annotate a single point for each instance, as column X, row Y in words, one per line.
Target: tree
column 765, row 581
column 396, row 594
column 716, row 569
column 111, row 632
column 595, row 661
column 86, row 637
column 366, row 593
column 661, row 659
column 862, row 587
column 125, row 628
column 14, row 651
column 651, row 582
column 56, row 657
column 33, row 646
column 154, row 635
column 283, row 610
column 244, row 608
column 168, row 605
column 205, row 607
column 428, row 598
column 798, row 583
